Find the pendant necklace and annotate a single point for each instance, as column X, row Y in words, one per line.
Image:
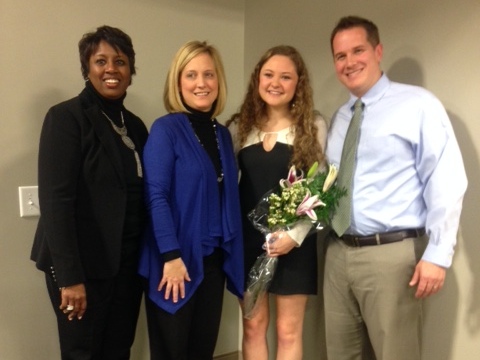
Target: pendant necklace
column 122, row 131
column 214, row 125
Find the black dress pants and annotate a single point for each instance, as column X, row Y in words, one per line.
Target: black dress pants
column 107, row 329
column 191, row 333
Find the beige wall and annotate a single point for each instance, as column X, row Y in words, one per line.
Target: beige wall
column 433, row 43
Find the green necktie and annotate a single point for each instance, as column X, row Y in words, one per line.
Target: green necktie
column 342, row 216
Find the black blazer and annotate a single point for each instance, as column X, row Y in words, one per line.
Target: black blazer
column 82, row 192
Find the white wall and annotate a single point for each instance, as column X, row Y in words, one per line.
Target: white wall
column 432, row 43
column 39, row 67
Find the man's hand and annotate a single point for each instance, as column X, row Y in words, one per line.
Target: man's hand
column 429, row 279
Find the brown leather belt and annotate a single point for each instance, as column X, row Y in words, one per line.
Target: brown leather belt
column 382, row 238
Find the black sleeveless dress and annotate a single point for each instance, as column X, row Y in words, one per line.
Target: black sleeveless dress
column 261, row 170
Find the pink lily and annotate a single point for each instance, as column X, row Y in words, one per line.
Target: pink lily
column 308, row 204
column 292, row 178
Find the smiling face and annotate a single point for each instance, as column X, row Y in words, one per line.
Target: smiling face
column 199, row 83
column 278, row 81
column 357, row 62
column 109, row 71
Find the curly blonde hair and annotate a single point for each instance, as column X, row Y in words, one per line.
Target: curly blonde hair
column 253, row 112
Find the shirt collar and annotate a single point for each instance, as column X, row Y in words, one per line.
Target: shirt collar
column 374, row 94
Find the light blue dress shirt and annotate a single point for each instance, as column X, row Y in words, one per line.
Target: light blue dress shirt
column 409, row 169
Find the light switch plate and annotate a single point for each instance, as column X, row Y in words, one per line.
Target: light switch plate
column 28, row 197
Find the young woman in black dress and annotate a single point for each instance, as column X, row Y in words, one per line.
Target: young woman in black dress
column 276, row 128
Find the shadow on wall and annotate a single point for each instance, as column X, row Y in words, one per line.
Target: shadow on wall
column 470, row 224
column 406, row 70
column 409, row 71
column 440, row 311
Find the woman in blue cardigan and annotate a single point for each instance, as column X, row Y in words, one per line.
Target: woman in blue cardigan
column 194, row 241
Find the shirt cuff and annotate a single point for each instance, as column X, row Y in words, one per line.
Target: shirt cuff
column 171, row 255
column 299, row 231
column 438, row 255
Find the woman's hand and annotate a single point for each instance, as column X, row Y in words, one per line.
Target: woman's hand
column 280, row 243
column 174, row 276
column 74, row 301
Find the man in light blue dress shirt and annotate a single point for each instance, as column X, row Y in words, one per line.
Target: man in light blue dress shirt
column 407, row 192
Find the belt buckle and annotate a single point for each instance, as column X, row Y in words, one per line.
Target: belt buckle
column 356, row 241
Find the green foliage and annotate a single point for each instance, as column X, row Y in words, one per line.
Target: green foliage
column 330, row 197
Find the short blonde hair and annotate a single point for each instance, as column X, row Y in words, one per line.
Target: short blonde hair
column 172, row 98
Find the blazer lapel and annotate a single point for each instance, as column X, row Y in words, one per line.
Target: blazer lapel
column 104, row 132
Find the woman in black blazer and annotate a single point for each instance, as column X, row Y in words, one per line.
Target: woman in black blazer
column 91, row 200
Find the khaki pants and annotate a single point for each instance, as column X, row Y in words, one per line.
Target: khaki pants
column 367, row 298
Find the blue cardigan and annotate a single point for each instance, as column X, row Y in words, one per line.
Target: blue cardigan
column 182, row 196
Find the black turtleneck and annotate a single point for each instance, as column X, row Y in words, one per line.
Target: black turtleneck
column 202, row 123
column 111, row 107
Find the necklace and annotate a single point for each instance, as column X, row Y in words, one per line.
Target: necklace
column 122, row 131
column 214, row 125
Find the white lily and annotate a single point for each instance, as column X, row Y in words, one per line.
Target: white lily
column 331, row 177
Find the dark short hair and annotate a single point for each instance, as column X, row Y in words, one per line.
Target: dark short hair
column 349, row 22
column 115, row 37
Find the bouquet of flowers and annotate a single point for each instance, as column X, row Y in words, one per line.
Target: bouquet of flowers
column 312, row 199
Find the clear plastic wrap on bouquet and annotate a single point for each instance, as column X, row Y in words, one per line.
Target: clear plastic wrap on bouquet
column 261, row 274
column 259, row 279
column 312, row 199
